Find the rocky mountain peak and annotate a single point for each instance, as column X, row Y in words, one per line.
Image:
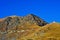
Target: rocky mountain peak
column 37, row 19
column 31, row 18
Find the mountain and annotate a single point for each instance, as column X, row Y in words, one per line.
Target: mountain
column 13, row 26
column 28, row 27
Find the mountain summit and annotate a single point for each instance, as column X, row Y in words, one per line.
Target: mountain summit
column 36, row 19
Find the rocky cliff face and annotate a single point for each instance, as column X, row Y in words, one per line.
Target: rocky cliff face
column 10, row 26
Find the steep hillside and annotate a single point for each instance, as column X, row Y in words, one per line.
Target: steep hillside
column 15, row 27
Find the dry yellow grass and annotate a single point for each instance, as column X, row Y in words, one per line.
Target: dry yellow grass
column 47, row 32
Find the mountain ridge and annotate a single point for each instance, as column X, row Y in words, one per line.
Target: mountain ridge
column 30, row 17
column 29, row 27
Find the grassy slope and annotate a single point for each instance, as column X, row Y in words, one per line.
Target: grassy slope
column 51, row 32
column 48, row 32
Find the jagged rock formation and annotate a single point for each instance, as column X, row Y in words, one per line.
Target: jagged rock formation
column 13, row 26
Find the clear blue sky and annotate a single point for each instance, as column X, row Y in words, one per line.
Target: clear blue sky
column 49, row 10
